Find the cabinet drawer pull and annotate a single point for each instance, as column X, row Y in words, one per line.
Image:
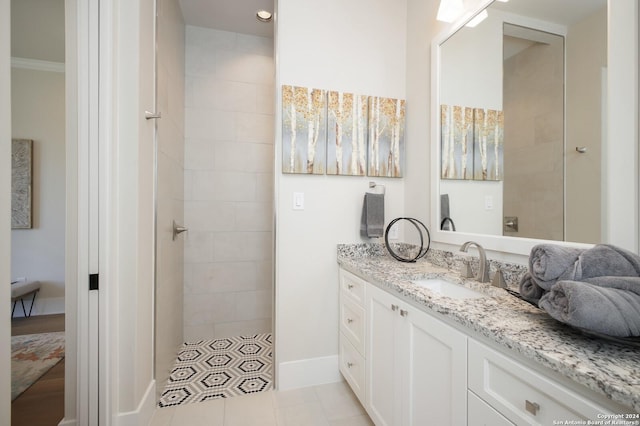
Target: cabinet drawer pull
column 532, row 407
column 349, row 320
column 394, row 308
column 404, row 313
column 350, row 286
column 349, row 364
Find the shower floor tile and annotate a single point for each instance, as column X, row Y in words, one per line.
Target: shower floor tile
column 220, row 368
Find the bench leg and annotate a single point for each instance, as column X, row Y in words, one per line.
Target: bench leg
column 14, row 307
column 23, row 309
column 32, row 302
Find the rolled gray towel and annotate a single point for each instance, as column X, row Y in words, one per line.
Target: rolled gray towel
column 529, row 290
column 607, row 305
column 606, row 260
column 549, row 262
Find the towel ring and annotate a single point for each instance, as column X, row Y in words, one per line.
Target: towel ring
column 375, row 185
column 444, row 222
column 422, row 252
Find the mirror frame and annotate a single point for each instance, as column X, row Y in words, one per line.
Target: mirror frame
column 622, row 137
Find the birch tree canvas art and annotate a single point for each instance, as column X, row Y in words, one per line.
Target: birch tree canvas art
column 489, row 144
column 304, row 130
column 386, row 136
column 347, row 134
column 456, row 130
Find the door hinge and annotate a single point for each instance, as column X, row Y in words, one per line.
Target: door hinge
column 93, row 281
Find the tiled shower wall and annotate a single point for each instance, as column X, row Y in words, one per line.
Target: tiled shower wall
column 229, row 128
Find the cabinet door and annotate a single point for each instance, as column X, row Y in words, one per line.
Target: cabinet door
column 382, row 382
column 434, row 362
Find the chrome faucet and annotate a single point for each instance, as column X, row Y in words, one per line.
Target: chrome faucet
column 483, row 271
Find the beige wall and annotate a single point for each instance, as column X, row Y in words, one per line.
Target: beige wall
column 533, row 157
column 170, row 187
column 37, row 103
column 586, row 59
column 228, row 184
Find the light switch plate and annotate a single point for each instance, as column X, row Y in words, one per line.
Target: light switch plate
column 488, row 202
column 298, row 200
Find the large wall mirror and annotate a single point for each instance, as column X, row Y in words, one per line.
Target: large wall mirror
column 521, row 146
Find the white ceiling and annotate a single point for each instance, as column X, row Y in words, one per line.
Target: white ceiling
column 47, row 16
column 228, row 15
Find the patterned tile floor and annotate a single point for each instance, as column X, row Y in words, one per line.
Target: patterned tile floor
column 221, row 368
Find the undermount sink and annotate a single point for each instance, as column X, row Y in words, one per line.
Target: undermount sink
column 449, row 289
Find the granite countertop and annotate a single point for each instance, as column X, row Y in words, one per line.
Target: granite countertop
column 610, row 369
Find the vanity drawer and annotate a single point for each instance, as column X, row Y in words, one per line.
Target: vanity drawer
column 521, row 394
column 352, row 286
column 352, row 367
column 352, row 322
column 479, row 413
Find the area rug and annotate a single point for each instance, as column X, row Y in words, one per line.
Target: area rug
column 32, row 355
column 221, row 368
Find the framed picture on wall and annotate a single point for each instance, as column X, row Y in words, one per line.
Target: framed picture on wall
column 21, row 183
column 304, row 130
column 347, row 134
column 386, row 136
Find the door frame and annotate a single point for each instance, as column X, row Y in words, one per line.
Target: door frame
column 5, row 200
column 84, row 196
column 78, row 17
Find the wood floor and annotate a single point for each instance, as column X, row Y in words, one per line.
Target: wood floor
column 43, row 403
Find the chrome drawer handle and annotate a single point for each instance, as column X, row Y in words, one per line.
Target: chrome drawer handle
column 394, row 308
column 349, row 364
column 532, row 407
column 349, row 286
column 349, row 320
column 404, row 313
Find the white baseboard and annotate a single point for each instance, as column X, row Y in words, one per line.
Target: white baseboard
column 65, row 422
column 42, row 306
column 308, row 372
column 141, row 415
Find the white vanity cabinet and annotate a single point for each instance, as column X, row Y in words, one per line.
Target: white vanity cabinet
column 409, row 368
column 415, row 365
column 352, row 332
